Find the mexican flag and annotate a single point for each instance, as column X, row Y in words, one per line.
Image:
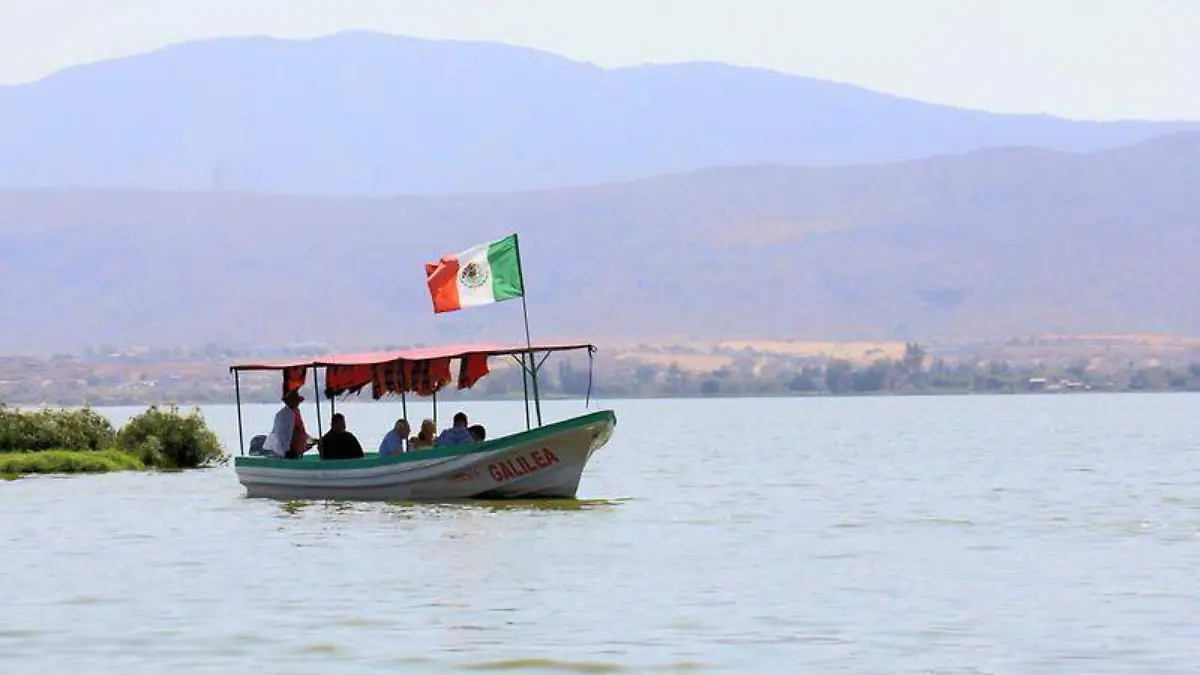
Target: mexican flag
column 480, row 275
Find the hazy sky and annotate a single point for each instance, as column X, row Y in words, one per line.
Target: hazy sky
column 1094, row 59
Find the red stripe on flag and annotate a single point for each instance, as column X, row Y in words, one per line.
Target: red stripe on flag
column 443, row 285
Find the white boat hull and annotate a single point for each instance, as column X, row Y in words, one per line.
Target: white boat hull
column 542, row 463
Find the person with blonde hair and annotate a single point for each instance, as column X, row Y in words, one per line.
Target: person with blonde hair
column 425, row 438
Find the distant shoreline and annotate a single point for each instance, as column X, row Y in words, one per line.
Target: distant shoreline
column 594, row 399
column 722, row 371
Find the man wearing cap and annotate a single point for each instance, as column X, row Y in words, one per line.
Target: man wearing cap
column 288, row 437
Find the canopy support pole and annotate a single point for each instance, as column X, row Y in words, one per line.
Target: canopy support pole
column 317, row 401
column 404, row 395
column 587, row 401
column 537, row 404
column 537, row 401
column 524, row 384
column 525, row 387
column 435, row 408
column 237, row 393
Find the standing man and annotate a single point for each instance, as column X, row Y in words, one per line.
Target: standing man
column 288, row 437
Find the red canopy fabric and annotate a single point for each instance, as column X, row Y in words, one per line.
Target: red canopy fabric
column 422, row 371
column 418, row 354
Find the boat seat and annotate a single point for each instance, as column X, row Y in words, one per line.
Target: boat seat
column 256, row 447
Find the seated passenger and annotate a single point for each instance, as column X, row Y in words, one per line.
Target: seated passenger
column 425, row 437
column 478, row 433
column 339, row 443
column 396, row 440
column 457, row 434
column 256, row 447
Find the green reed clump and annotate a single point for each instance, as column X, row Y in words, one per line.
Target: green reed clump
column 82, row 441
column 170, row 440
column 41, row 430
column 14, row 464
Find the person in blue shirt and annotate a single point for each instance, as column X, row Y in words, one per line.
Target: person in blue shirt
column 457, row 434
column 395, row 442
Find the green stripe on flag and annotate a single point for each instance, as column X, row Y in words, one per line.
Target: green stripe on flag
column 505, row 261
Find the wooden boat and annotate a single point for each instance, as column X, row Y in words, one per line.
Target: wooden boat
column 544, row 461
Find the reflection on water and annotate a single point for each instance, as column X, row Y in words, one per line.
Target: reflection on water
column 1052, row 534
column 422, row 509
column 520, row 504
column 514, row 665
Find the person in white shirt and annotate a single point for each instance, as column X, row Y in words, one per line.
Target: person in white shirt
column 288, row 437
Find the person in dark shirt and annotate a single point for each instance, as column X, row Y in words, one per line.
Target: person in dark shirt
column 339, row 443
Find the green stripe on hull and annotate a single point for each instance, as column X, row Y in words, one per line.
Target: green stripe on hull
column 502, row 443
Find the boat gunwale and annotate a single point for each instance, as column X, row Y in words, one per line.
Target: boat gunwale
column 501, row 443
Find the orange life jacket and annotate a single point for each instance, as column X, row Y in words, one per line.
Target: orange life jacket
column 299, row 434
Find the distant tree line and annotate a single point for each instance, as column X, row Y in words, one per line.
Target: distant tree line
column 912, row 372
column 745, row 373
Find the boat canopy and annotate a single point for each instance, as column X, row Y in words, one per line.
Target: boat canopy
column 422, row 371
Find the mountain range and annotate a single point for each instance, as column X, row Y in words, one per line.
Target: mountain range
column 366, row 114
column 987, row 243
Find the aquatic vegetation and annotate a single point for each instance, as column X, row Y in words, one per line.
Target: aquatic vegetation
column 14, row 464
column 48, row 429
column 170, row 440
column 83, row 441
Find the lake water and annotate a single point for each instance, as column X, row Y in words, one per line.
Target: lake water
column 991, row 534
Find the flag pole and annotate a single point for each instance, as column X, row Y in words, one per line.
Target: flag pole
column 533, row 369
